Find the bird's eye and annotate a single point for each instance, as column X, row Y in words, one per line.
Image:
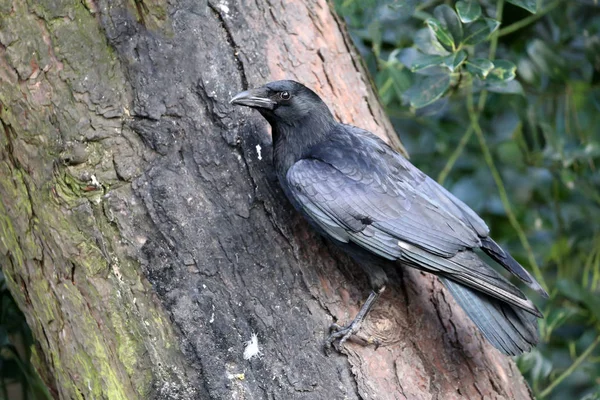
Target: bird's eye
column 285, row 95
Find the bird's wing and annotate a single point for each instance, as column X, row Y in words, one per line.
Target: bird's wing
column 393, row 220
column 426, row 186
column 435, row 193
column 367, row 181
column 337, row 199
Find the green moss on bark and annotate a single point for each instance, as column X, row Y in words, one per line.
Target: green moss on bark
column 84, row 297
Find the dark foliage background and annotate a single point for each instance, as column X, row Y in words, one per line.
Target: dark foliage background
column 18, row 378
column 500, row 100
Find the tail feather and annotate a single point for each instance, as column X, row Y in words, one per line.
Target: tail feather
column 502, row 257
column 510, row 329
column 466, row 268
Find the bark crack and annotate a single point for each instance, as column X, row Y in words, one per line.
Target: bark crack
column 232, row 43
column 10, row 67
column 396, row 372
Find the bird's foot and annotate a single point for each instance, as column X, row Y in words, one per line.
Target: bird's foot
column 344, row 333
column 341, row 334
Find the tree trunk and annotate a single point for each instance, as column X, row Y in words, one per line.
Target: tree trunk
column 143, row 232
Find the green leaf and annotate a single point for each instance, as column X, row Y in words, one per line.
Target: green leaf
column 480, row 67
column 449, row 20
column 403, row 9
column 392, row 81
column 547, row 59
column 558, row 317
column 468, row 11
column 442, row 34
column 416, row 60
column 507, row 87
column 401, row 79
column 575, row 292
column 454, row 61
column 435, row 108
column 529, row 5
column 535, row 362
column 375, row 33
column 503, row 71
column 480, row 30
column 425, row 41
column 385, row 84
column 405, row 56
column 427, row 90
column 425, row 61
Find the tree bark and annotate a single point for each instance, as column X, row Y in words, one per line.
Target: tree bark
column 143, row 232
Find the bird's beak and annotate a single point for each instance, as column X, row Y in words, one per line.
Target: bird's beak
column 255, row 98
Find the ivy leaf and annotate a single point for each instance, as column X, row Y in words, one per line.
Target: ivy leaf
column 454, row 61
column 529, row 5
column 427, row 90
column 480, row 67
column 503, row 71
column 449, row 20
column 480, row 30
column 468, row 11
column 442, row 34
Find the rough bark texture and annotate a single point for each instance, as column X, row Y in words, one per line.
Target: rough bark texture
column 144, row 235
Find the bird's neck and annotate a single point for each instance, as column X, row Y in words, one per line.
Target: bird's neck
column 292, row 142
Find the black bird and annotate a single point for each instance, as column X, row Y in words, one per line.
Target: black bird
column 370, row 200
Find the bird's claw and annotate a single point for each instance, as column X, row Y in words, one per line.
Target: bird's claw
column 376, row 342
column 341, row 333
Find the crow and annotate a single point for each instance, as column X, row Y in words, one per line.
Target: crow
column 371, row 201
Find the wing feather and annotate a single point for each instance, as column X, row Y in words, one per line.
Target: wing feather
column 405, row 227
column 366, row 159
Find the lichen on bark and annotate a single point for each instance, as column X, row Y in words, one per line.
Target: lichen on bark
column 63, row 151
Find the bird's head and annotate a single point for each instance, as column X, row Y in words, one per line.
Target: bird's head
column 283, row 102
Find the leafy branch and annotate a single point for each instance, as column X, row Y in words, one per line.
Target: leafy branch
column 443, row 83
column 487, row 155
column 571, row 368
column 529, row 20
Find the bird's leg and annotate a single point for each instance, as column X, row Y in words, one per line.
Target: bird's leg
column 343, row 333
